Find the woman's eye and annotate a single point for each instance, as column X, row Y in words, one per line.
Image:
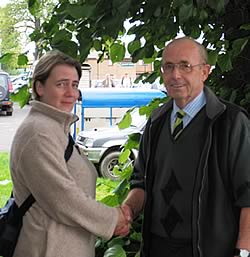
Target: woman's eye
column 61, row 84
column 75, row 85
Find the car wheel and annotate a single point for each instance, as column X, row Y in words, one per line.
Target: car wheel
column 9, row 113
column 108, row 163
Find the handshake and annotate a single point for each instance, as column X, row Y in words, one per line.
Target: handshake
column 124, row 220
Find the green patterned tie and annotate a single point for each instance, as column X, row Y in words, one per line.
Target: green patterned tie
column 178, row 124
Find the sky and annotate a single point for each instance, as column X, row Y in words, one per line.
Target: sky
column 3, row 2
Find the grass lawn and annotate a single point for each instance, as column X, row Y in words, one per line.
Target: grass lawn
column 103, row 186
column 5, row 181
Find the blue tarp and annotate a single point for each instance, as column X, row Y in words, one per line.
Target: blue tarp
column 118, row 97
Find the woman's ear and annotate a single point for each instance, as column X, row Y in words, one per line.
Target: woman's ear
column 39, row 88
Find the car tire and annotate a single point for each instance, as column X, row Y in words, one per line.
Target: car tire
column 9, row 113
column 107, row 164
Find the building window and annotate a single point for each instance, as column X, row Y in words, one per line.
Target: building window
column 127, row 64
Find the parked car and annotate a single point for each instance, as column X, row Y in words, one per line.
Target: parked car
column 103, row 146
column 20, row 80
column 6, row 105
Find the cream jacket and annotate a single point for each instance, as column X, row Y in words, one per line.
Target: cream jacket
column 65, row 218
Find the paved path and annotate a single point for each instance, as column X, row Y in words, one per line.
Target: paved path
column 9, row 125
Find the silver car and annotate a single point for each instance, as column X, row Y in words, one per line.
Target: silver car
column 103, row 146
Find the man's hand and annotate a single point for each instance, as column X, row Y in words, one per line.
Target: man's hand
column 124, row 221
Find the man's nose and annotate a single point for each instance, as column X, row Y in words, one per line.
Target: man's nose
column 176, row 72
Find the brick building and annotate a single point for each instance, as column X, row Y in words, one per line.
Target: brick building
column 95, row 73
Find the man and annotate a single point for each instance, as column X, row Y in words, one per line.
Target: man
column 192, row 174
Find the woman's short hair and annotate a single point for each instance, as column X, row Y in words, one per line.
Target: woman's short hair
column 45, row 65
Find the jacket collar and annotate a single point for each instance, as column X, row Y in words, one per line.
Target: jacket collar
column 66, row 119
column 213, row 106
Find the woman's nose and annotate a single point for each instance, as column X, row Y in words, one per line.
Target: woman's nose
column 71, row 90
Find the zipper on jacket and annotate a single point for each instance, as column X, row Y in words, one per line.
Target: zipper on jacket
column 201, row 190
column 203, row 179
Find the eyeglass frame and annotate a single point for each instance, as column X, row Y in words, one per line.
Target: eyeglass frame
column 177, row 65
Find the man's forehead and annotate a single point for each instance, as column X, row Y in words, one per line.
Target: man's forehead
column 182, row 51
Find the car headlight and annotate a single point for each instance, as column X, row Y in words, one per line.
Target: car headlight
column 88, row 142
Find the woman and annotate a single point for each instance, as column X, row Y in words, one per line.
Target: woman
column 65, row 218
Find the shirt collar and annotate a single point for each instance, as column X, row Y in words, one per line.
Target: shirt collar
column 192, row 108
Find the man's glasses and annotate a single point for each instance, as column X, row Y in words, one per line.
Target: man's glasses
column 183, row 67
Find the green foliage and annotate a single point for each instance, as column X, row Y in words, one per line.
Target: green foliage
column 5, row 180
column 76, row 27
column 10, row 40
column 4, row 166
column 22, row 96
column 128, row 246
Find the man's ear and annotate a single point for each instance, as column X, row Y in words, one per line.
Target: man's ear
column 206, row 71
column 39, row 88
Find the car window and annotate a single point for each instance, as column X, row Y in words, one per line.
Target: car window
column 3, row 81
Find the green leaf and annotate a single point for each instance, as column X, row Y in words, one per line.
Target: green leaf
column 110, row 200
column 115, row 251
column 33, row 6
column 121, row 6
column 5, row 58
column 212, row 57
column 97, row 45
column 51, row 27
column 138, row 55
column 149, row 50
column 225, row 62
column 126, row 121
column 133, row 46
column 124, row 156
column 22, row 96
column 61, row 35
column 203, row 15
column 245, row 26
column 233, row 96
column 116, row 241
column 217, row 5
column 195, row 32
column 133, row 141
column 80, row 11
column 22, row 60
column 238, row 45
column 85, row 40
column 141, row 76
column 185, row 12
column 36, row 35
column 177, row 3
column 137, row 236
column 152, row 77
column 117, row 52
column 121, row 187
column 68, row 47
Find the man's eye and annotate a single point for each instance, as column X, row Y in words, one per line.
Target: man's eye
column 184, row 65
column 169, row 66
column 75, row 85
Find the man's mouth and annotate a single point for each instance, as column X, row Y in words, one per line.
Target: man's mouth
column 176, row 85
